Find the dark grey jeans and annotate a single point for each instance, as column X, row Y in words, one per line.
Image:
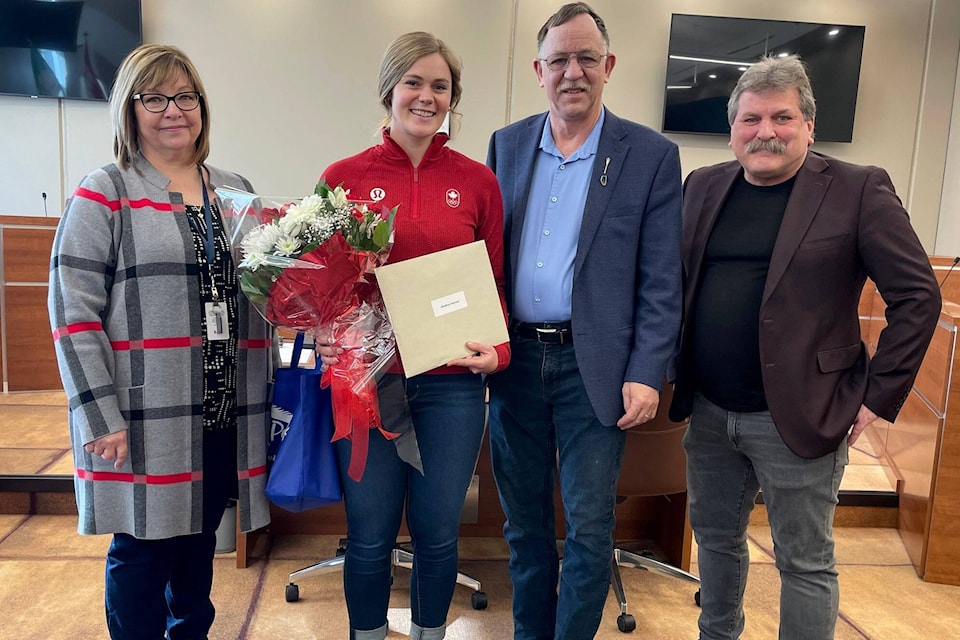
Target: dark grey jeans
column 729, row 457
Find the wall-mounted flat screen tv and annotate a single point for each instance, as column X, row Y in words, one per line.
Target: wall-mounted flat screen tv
column 65, row 48
column 707, row 54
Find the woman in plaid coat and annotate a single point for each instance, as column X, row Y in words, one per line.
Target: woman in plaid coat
column 165, row 366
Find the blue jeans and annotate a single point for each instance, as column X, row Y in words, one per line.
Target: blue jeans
column 539, row 413
column 448, row 418
column 158, row 587
column 729, row 457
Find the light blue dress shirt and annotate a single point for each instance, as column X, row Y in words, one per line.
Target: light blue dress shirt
column 543, row 284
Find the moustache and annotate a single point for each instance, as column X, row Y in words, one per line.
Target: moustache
column 773, row 146
column 582, row 86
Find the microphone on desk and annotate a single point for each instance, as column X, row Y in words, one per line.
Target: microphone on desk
column 43, row 194
column 947, row 275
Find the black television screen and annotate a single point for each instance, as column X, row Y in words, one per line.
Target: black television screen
column 707, row 54
column 65, row 49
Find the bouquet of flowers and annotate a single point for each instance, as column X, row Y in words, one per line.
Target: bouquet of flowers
column 307, row 265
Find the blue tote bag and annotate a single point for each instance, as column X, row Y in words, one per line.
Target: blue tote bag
column 303, row 472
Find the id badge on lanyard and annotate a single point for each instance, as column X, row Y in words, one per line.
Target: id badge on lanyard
column 217, row 318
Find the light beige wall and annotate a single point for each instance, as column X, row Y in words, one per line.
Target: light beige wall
column 948, row 229
column 292, row 84
column 903, row 104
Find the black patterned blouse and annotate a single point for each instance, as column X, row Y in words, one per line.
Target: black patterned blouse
column 219, row 356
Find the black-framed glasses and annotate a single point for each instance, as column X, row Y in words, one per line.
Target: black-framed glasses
column 586, row 59
column 157, row 102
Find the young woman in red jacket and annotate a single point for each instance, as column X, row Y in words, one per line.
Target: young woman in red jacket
column 445, row 200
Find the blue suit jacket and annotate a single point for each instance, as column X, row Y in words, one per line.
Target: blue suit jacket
column 627, row 274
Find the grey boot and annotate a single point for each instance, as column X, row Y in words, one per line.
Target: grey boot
column 373, row 634
column 419, row 633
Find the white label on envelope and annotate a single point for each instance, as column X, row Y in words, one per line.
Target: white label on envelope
column 449, row 304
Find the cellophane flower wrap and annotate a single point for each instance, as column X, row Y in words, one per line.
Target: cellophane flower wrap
column 307, row 264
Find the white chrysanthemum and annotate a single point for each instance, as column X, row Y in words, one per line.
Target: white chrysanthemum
column 310, row 207
column 288, row 246
column 260, row 239
column 292, row 225
column 254, row 260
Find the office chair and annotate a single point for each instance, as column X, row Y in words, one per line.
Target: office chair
column 654, row 465
column 402, row 557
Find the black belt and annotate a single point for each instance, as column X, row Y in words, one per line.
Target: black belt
column 544, row 332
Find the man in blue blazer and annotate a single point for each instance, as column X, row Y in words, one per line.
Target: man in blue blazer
column 592, row 231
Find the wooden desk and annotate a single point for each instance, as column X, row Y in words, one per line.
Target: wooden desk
column 921, row 450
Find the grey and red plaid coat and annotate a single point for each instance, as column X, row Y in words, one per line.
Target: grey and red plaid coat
column 127, row 319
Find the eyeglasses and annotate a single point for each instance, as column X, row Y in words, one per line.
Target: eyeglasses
column 158, row 103
column 586, row 59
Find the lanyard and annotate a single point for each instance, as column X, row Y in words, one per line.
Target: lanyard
column 209, row 240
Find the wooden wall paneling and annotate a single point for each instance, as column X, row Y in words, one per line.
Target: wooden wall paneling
column 29, row 355
column 26, row 254
column 31, row 359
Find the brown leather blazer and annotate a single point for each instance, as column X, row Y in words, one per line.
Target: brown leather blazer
column 843, row 223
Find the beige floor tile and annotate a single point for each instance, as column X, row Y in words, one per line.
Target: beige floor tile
column 55, row 398
column 892, row 603
column 53, row 537
column 27, row 461
column 318, row 614
column 62, row 466
column 867, row 546
column 45, row 599
column 9, row 522
column 234, row 594
column 863, row 477
column 855, row 545
column 47, row 427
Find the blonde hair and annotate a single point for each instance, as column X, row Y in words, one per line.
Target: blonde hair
column 146, row 67
column 402, row 54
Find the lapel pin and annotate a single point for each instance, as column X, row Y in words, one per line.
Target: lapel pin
column 603, row 176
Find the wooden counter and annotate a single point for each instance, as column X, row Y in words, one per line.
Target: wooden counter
column 27, row 356
column 921, row 450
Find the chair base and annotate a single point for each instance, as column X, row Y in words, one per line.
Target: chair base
column 623, row 558
column 402, row 557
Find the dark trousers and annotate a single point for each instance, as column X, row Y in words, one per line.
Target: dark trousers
column 161, row 588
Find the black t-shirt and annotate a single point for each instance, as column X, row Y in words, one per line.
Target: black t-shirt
column 726, row 313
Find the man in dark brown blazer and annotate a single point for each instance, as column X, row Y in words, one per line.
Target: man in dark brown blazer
column 772, row 369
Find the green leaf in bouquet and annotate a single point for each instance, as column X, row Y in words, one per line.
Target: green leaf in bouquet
column 256, row 284
column 323, row 189
column 381, row 234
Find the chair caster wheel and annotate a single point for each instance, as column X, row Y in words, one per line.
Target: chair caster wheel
column 478, row 600
column 292, row 593
column 626, row 623
column 696, row 597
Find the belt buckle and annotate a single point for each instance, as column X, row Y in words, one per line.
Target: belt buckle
column 543, row 332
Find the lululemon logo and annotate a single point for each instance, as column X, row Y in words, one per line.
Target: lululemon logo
column 377, row 194
column 453, row 198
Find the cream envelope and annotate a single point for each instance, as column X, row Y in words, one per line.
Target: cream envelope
column 439, row 301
